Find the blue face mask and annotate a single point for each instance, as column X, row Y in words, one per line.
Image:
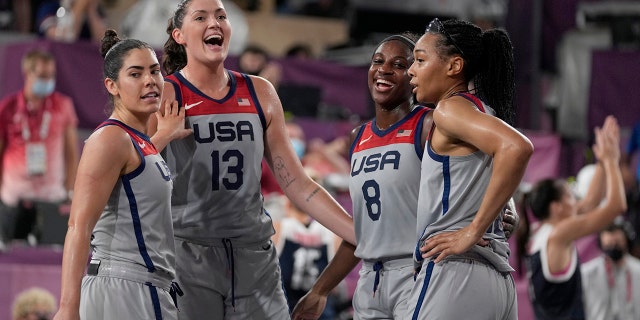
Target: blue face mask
column 298, row 147
column 43, row 87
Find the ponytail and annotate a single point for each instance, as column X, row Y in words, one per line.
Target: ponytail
column 175, row 56
column 495, row 80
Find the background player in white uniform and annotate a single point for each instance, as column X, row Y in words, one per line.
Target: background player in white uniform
column 226, row 263
column 122, row 202
column 472, row 165
column 552, row 260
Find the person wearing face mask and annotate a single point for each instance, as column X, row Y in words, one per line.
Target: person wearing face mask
column 611, row 281
column 38, row 145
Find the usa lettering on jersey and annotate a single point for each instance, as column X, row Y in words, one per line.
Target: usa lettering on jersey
column 376, row 161
column 224, row 131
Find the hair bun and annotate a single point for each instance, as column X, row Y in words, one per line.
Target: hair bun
column 109, row 39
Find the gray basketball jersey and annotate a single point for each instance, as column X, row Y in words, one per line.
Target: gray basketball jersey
column 451, row 191
column 217, row 171
column 135, row 226
column 384, row 183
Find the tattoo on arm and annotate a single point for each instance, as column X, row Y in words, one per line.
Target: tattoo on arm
column 313, row 193
column 282, row 172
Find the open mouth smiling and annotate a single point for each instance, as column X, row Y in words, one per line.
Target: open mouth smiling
column 214, row 40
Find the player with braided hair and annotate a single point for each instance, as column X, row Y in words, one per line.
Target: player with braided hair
column 472, row 164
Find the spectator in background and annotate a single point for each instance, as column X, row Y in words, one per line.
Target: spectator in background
column 300, row 51
column 70, row 20
column 612, row 280
column 34, row 304
column 330, row 161
column 256, row 61
column 38, row 144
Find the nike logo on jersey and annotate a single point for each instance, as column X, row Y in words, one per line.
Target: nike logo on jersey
column 142, row 145
column 365, row 140
column 189, row 106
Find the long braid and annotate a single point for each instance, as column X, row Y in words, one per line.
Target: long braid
column 496, row 80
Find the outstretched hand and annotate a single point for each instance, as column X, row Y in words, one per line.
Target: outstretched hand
column 309, row 307
column 445, row 244
column 607, row 145
column 171, row 121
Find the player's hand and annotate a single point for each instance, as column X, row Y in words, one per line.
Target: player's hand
column 510, row 221
column 607, row 146
column 171, row 121
column 450, row 243
column 309, row 307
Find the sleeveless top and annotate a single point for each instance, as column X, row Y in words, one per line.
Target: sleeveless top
column 135, row 226
column 218, row 169
column 451, row 191
column 384, row 182
column 553, row 296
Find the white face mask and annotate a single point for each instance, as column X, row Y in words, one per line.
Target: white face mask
column 43, row 87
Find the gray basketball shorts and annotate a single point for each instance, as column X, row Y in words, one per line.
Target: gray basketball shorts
column 119, row 293
column 230, row 280
column 392, row 289
column 458, row 288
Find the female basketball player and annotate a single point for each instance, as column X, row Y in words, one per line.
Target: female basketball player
column 226, row 262
column 472, row 165
column 121, row 204
column 551, row 255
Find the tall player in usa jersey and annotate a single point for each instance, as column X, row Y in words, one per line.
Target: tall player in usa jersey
column 226, row 263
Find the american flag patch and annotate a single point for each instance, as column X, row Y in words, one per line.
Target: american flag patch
column 243, row 102
column 404, row 133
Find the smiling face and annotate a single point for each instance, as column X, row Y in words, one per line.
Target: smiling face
column 139, row 85
column 387, row 77
column 205, row 32
column 430, row 72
